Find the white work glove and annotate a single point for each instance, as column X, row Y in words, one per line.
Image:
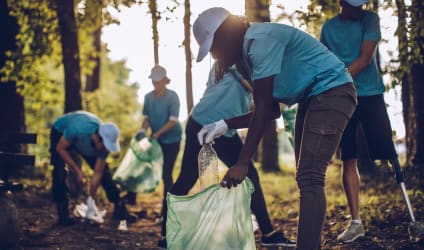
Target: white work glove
column 212, row 131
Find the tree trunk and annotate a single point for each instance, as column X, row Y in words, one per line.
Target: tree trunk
column 187, row 33
column 12, row 113
column 417, row 78
column 155, row 18
column 258, row 11
column 70, row 54
column 407, row 105
column 417, row 75
column 93, row 81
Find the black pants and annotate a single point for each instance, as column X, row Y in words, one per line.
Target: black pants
column 59, row 188
column 170, row 153
column 228, row 150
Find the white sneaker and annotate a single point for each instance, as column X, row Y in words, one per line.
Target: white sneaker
column 354, row 231
column 92, row 213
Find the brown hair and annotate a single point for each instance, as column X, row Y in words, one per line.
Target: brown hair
column 227, row 45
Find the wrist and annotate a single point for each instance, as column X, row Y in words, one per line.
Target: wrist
column 222, row 123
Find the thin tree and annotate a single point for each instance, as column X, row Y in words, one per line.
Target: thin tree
column 155, row 17
column 403, row 74
column 65, row 10
column 94, row 13
column 187, row 34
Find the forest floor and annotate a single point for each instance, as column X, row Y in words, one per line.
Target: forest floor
column 385, row 216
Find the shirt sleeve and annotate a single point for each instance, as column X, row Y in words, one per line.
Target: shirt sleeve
column 372, row 28
column 265, row 56
column 174, row 107
column 69, row 135
column 103, row 155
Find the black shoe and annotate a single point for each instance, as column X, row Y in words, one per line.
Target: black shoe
column 277, row 238
column 63, row 214
column 121, row 213
column 65, row 221
column 130, row 198
column 162, row 244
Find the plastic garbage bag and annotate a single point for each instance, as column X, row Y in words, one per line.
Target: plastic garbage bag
column 215, row 218
column 141, row 167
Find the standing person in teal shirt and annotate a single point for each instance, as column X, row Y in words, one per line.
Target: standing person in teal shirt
column 93, row 140
column 161, row 110
column 353, row 36
column 289, row 66
column 231, row 96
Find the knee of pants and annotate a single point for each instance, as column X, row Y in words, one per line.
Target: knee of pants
column 310, row 178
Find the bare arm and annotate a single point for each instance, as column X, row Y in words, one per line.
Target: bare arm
column 62, row 149
column 145, row 124
column 164, row 129
column 364, row 59
column 265, row 111
column 97, row 176
column 262, row 114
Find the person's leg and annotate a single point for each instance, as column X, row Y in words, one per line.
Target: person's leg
column 298, row 129
column 351, row 184
column 112, row 192
column 170, row 153
column 325, row 119
column 350, row 174
column 59, row 188
column 189, row 170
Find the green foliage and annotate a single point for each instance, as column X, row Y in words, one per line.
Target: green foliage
column 318, row 11
column 115, row 101
column 37, row 47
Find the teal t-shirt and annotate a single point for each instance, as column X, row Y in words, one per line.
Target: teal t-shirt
column 344, row 38
column 221, row 100
column 302, row 66
column 77, row 127
column 160, row 109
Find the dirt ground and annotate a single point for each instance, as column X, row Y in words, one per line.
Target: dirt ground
column 38, row 230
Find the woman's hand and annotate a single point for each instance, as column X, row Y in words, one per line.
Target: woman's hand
column 235, row 175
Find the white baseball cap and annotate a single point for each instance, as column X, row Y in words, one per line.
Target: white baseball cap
column 158, row 73
column 205, row 26
column 110, row 133
column 356, row 3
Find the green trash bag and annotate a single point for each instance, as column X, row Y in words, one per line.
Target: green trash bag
column 215, row 218
column 141, row 167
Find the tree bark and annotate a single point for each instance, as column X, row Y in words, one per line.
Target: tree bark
column 155, row 18
column 407, row 104
column 417, row 78
column 12, row 112
column 93, row 81
column 70, row 54
column 187, row 34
